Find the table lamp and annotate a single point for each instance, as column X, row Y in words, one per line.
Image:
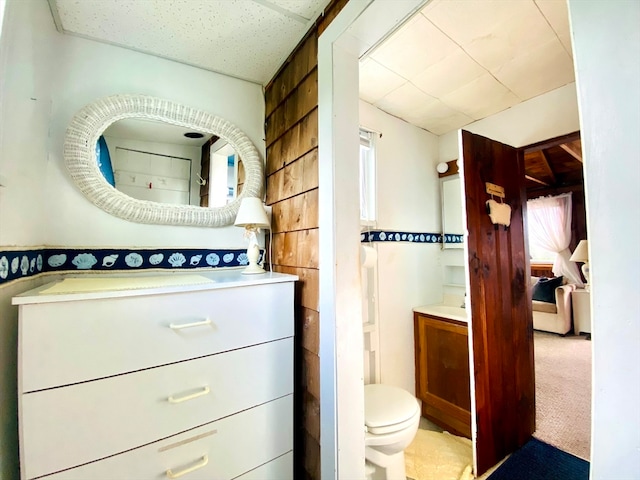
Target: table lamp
column 252, row 216
column 581, row 254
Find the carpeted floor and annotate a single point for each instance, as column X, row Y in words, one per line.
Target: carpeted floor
column 563, row 392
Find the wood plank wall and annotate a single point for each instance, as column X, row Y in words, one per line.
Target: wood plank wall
column 291, row 110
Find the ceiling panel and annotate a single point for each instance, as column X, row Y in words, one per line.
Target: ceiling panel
column 439, row 118
column 449, row 74
column 472, row 59
column 248, row 39
column 547, row 67
column 481, row 98
column 414, row 48
column 377, row 81
column 558, row 17
column 404, row 100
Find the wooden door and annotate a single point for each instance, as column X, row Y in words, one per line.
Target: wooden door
column 502, row 325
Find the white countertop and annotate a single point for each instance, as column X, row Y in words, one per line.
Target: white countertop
column 444, row 311
column 92, row 286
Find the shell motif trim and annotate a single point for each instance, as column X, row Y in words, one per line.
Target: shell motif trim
column 16, row 264
column 410, row 237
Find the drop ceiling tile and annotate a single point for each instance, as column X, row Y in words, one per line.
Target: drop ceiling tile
column 239, row 38
column 439, row 118
column 494, row 33
column 482, row 97
column 511, row 39
column 556, row 13
column 565, row 39
column 377, row 81
column 539, row 71
column 307, row 9
column 413, row 48
column 449, row 74
column 404, row 100
column 465, row 21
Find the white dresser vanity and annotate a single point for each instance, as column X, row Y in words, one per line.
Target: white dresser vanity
column 191, row 375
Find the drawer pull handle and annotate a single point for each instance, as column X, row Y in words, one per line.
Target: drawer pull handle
column 180, row 326
column 201, row 463
column 191, row 396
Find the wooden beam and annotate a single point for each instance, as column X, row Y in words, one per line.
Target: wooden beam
column 547, row 166
column 537, row 180
column 572, row 151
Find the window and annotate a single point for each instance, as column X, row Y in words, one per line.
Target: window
column 367, row 178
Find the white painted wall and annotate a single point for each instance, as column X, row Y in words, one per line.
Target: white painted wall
column 606, row 44
column 27, row 60
column 550, row 115
column 88, row 70
column 408, row 199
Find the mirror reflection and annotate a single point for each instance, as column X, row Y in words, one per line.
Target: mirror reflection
column 165, row 163
column 452, row 225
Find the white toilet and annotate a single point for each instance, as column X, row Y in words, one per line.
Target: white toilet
column 391, row 417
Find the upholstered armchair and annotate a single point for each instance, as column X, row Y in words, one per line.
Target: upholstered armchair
column 555, row 316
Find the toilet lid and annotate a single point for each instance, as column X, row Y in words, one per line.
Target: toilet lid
column 386, row 406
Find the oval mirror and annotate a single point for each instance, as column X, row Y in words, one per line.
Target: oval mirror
column 177, row 204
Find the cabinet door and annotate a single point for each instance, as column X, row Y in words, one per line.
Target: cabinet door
column 442, row 372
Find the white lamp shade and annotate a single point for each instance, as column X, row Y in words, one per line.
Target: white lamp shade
column 252, row 214
column 581, row 253
column 442, row 167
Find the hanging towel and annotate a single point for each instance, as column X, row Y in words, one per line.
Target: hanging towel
column 500, row 213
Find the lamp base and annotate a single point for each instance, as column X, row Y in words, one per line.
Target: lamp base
column 587, row 275
column 253, row 269
column 253, row 253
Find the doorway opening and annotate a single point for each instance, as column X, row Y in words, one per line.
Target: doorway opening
column 553, row 170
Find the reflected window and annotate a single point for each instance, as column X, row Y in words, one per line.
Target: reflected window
column 223, row 174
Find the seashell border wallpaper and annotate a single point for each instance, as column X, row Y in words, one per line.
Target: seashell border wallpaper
column 412, row 237
column 15, row 264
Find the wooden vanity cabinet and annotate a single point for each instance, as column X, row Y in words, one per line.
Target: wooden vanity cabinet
column 442, row 372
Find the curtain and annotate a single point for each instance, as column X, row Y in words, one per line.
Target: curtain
column 549, row 220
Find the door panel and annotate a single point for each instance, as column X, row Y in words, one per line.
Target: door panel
column 502, row 326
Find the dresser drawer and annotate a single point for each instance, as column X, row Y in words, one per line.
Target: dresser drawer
column 253, row 445
column 279, row 469
column 68, row 342
column 69, row 426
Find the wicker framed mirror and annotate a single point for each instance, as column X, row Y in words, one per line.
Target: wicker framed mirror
column 93, row 119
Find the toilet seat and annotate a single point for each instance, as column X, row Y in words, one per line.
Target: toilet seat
column 388, row 409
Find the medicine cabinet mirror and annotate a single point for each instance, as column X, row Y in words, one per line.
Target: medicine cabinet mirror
column 452, row 224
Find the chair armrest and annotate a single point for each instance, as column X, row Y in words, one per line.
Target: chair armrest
column 563, row 300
